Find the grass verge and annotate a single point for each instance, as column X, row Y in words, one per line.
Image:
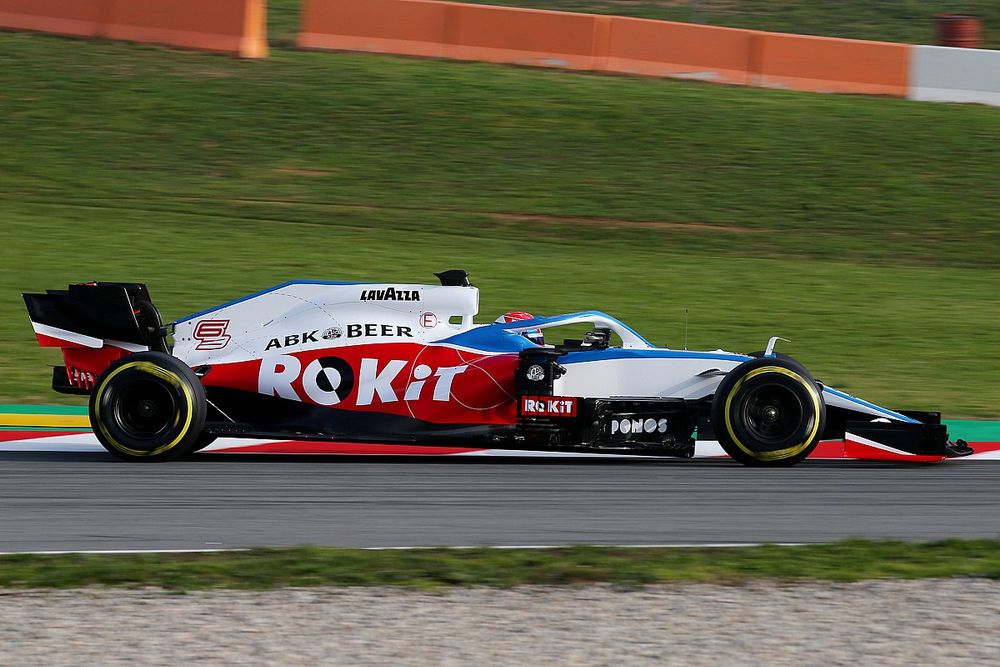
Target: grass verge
column 428, row 568
column 863, row 229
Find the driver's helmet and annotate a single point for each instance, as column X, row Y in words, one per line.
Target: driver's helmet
column 534, row 335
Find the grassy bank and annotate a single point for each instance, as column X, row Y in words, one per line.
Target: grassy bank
column 863, row 229
column 314, row 566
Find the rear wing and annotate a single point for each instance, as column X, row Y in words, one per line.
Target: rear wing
column 94, row 324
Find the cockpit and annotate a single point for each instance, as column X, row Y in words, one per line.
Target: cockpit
column 602, row 331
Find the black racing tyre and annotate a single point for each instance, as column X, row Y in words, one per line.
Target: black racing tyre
column 768, row 411
column 148, row 406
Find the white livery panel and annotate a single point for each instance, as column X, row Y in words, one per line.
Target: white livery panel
column 305, row 316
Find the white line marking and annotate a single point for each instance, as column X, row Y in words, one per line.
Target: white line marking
column 542, row 547
column 533, row 547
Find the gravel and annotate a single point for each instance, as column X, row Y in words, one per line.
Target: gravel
column 926, row 622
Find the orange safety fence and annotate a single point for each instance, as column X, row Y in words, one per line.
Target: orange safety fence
column 685, row 50
column 527, row 36
column 416, row 28
column 606, row 44
column 494, row 34
column 62, row 17
column 829, row 65
column 452, row 30
column 232, row 26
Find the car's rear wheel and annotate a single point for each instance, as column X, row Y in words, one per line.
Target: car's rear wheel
column 768, row 411
column 148, row 406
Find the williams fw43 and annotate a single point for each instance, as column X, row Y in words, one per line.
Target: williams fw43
column 390, row 363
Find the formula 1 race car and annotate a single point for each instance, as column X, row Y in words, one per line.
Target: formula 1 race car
column 392, row 363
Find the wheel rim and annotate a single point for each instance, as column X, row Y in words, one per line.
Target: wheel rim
column 772, row 414
column 145, row 410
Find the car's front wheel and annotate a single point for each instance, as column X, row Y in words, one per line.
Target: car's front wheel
column 148, row 406
column 768, row 411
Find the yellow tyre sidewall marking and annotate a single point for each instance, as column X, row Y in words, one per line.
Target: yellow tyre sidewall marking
column 163, row 374
column 779, row 454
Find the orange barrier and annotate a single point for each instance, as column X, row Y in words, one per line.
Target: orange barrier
column 452, row 30
column 828, row 65
column 233, row 26
column 527, row 36
column 684, row 50
column 62, row 17
column 413, row 28
column 606, row 43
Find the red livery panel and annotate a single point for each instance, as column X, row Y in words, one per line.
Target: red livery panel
column 433, row 383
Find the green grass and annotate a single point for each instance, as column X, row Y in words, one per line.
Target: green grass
column 283, row 22
column 434, row 568
column 864, row 229
column 909, row 21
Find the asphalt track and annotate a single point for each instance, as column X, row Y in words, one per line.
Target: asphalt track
column 87, row 501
